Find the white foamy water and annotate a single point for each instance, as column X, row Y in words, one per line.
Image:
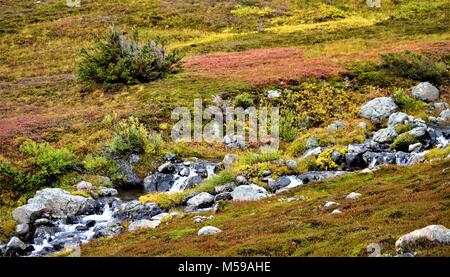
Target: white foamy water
column 180, row 181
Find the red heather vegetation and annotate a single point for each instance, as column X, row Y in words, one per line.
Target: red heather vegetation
column 262, row 65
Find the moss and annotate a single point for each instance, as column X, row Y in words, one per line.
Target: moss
column 403, row 141
column 165, row 200
column 324, row 160
column 409, row 104
column 437, row 153
column 81, row 193
column 178, row 234
column 403, row 128
column 244, row 100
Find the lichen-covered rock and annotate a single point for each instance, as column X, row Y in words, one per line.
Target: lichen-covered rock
column 426, row 92
column 229, row 160
column 353, row 195
column 397, row 118
column 208, row 230
column 250, row 192
column 385, row 135
column 430, row 235
column 28, row 213
column 201, row 200
column 378, row 109
column 143, row 224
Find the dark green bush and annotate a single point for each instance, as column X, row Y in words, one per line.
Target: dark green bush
column 244, row 100
column 17, row 182
column 118, row 59
column 414, row 66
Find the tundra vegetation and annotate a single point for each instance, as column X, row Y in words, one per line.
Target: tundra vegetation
column 83, row 88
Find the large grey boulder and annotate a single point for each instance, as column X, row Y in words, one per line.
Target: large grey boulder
column 250, row 192
column 397, row 118
column 28, row 213
column 279, row 183
column 385, row 135
column 229, row 160
column 158, row 182
column 426, row 92
column 15, row 247
column 430, row 235
column 135, row 210
column 143, row 224
column 208, row 230
column 445, row 115
column 201, row 200
column 129, row 176
column 378, row 109
column 57, row 202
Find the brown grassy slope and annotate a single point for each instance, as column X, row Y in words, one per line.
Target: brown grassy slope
column 395, row 201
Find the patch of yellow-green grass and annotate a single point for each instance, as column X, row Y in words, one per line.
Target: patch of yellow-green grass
column 395, row 201
column 437, row 153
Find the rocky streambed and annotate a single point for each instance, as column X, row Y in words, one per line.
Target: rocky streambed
column 55, row 219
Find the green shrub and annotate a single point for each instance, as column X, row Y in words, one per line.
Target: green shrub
column 48, row 162
column 403, row 128
column 99, row 166
column 288, row 125
column 223, row 177
column 253, row 158
column 120, row 59
column 437, row 153
column 408, row 103
column 131, row 136
column 414, row 66
column 324, row 160
column 18, row 182
column 244, row 100
column 403, row 141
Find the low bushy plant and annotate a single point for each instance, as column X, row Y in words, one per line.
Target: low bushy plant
column 117, row 58
column 403, row 141
column 244, row 100
column 407, row 103
column 414, row 66
column 98, row 165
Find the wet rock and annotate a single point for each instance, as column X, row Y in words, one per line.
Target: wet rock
column 378, row 109
column 291, row 164
column 336, row 211
column 143, row 224
column 158, row 182
column 416, row 147
column 16, row 247
column 445, row 115
column 106, row 192
column 82, row 228
column 312, row 152
column 353, row 195
column 374, row 158
column 314, row 176
column 113, row 228
column 337, row 157
column 279, row 183
column 45, row 232
column 167, row 168
column 199, row 219
column 385, row 135
column 273, row 93
column 208, row 230
column 134, row 210
column 43, row 222
column 22, row 229
column 241, row 180
column 229, row 160
column 397, row 118
column 170, row 157
column 250, row 192
column 426, row 92
column 353, row 160
column 430, row 235
column 201, row 200
column 57, row 202
column 228, row 187
column 84, row 186
column 312, row 143
column 266, row 173
column 90, row 223
column 192, row 182
column 129, row 176
column 440, row 106
column 29, row 213
column 224, row 196
column 189, row 196
column 357, row 149
column 335, row 125
column 330, row 204
column 135, row 159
